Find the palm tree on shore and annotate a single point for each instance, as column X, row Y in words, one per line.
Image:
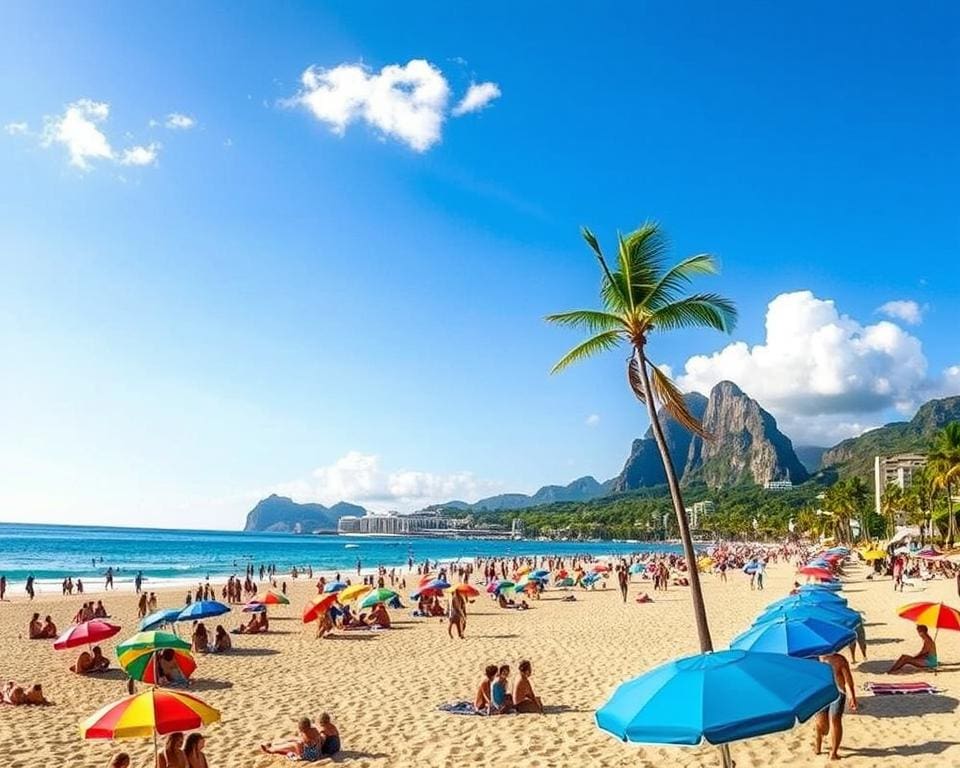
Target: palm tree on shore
column 945, row 460
column 891, row 504
column 641, row 295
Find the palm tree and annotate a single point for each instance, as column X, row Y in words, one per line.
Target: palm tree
column 891, row 503
column 640, row 295
column 945, row 461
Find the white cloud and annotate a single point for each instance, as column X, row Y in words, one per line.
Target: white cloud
column 78, row 130
column 17, row 129
column 177, row 121
column 408, row 102
column 819, row 371
column 478, row 96
column 359, row 478
column 142, row 155
column 906, row 310
column 592, row 420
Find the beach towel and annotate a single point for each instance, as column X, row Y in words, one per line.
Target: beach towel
column 891, row 689
column 460, row 708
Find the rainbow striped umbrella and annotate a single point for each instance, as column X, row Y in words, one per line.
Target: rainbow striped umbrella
column 157, row 711
column 151, row 641
column 936, row 615
column 142, row 664
column 352, row 592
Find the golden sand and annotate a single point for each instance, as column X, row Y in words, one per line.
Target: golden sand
column 383, row 688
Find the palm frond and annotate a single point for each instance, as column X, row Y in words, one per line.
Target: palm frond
column 699, row 309
column 678, row 277
column 589, row 319
column 613, row 290
column 633, row 379
column 646, row 250
column 667, row 393
column 592, row 346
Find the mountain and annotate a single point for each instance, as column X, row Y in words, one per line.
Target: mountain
column 581, row 489
column 281, row 514
column 810, row 456
column 644, row 468
column 855, row 455
column 745, row 445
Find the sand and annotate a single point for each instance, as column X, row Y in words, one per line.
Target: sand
column 383, row 688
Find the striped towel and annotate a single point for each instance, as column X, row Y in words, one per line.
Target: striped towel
column 891, row 689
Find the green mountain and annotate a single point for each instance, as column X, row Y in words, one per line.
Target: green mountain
column 281, row 514
column 810, row 456
column 581, row 489
column 855, row 456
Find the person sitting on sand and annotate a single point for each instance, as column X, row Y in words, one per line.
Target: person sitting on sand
column 325, row 624
column 500, row 699
column 35, row 696
column 88, row 663
column 379, row 616
column 523, row 697
column 169, row 672
column 49, row 629
column 193, row 750
column 483, row 701
column 926, row 659
column 436, row 608
column 306, row 746
column 201, row 640
column 221, row 642
column 99, row 612
column 35, row 631
column 172, row 755
column 120, row 760
column 330, row 743
column 14, row 694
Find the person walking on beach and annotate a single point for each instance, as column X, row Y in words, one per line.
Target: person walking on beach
column 29, row 586
column 829, row 721
column 3, row 587
column 458, row 615
column 761, row 568
column 108, row 584
column 138, row 582
column 623, row 577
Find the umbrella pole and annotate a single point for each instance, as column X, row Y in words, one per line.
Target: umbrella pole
column 725, row 760
column 156, row 752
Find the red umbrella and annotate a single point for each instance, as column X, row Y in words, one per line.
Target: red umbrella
column 817, row 573
column 87, row 633
column 318, row 606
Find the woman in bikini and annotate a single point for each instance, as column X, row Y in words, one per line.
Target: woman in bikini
column 306, row 746
column 194, row 751
column 172, row 755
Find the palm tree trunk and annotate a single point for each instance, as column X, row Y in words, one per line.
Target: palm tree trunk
column 699, row 609
column 951, row 521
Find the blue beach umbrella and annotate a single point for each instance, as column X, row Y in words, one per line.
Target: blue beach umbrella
column 838, row 551
column 832, row 612
column 159, row 618
column 802, row 638
column 811, row 597
column 541, row 575
column 334, row 586
column 718, row 698
column 823, row 586
column 202, row 609
column 638, row 568
column 438, row 584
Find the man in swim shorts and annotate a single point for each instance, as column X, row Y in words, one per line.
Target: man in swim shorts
column 830, row 719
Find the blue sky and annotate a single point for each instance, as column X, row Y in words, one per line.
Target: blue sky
column 315, row 288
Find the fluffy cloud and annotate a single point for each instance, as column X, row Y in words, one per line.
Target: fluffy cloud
column 407, row 102
column 16, row 129
column 908, row 311
column 142, row 155
column 78, row 129
column 478, row 96
column 823, row 375
column 179, row 122
column 359, row 478
column 592, row 420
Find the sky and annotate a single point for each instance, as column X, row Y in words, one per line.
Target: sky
column 308, row 248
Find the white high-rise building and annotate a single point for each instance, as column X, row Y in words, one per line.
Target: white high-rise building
column 897, row 469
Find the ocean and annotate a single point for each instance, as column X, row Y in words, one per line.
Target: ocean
column 170, row 557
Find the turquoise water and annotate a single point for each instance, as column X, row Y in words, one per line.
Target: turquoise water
column 52, row 552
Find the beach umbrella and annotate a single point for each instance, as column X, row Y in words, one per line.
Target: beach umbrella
column 158, row 618
column 492, row 586
column 816, row 572
column 814, row 597
column 503, row 586
column 351, row 593
column 155, row 712
column 275, row 598
column 522, row 570
column 381, row 595
column 839, row 551
column 152, row 640
column 426, row 579
column 439, row 584
column 254, row 607
column 718, row 698
column 837, row 614
column 795, row 637
column 567, row 582
column 426, row 592
column 935, row 615
column 85, row 633
column 142, row 664
column 601, row 568
column 638, row 568
column 562, row 573
column 334, row 586
column 822, row 586
column 750, row 567
column 467, row 590
column 203, row 609
column 318, row 606
column 873, row 554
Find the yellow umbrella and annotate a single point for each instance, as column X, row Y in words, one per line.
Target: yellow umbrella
column 352, row 592
column 873, row 554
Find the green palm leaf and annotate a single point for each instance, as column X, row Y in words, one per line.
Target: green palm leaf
column 592, row 346
column 701, row 309
column 587, row 319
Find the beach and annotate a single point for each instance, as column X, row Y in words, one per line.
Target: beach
column 383, row 688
